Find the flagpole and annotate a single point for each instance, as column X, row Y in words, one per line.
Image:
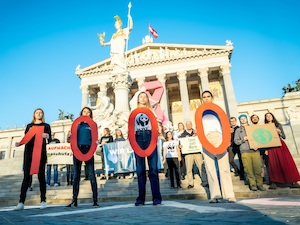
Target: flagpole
column 129, row 7
column 126, row 43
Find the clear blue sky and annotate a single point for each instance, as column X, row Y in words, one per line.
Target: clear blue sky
column 42, row 42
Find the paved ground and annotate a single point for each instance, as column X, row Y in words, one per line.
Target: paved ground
column 279, row 210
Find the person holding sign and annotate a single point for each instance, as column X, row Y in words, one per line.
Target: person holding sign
column 172, row 156
column 143, row 134
column 281, row 165
column 32, row 157
column 193, row 158
column 214, row 149
column 251, row 157
column 106, row 138
column 84, row 142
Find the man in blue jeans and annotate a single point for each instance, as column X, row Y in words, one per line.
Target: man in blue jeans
column 55, row 166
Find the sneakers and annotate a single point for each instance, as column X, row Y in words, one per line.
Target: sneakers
column 73, row 204
column 95, row 204
column 47, row 185
column 214, row 200
column 56, row 185
column 231, row 200
column 261, row 188
column 20, row 206
column 43, row 205
column 253, row 188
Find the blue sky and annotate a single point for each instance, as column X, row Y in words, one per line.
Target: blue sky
column 42, row 42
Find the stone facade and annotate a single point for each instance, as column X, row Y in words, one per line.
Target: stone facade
column 185, row 71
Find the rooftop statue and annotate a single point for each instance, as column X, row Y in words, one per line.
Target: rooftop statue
column 118, row 42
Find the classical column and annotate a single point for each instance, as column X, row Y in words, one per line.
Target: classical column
column 140, row 81
column 85, row 95
column 229, row 93
column 121, row 83
column 203, row 74
column 8, row 152
column 184, row 95
column 164, row 102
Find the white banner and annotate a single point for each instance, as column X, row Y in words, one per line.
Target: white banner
column 59, row 153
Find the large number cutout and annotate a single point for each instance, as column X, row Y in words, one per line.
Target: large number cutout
column 131, row 132
column 36, row 131
column 73, row 140
column 211, row 108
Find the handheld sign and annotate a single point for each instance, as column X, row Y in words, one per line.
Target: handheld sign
column 131, row 132
column 73, row 140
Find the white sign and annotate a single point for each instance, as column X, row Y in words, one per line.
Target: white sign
column 190, row 145
column 59, row 153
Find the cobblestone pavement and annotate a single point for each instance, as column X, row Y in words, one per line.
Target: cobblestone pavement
column 279, row 210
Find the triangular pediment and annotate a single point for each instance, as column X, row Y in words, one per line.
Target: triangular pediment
column 158, row 53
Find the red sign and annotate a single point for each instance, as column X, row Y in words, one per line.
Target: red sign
column 131, row 132
column 73, row 140
column 36, row 131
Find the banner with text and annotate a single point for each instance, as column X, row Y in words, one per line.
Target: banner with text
column 60, row 153
column 119, row 157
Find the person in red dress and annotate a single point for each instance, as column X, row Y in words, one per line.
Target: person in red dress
column 281, row 167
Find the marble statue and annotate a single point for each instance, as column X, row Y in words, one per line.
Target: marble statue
column 118, row 42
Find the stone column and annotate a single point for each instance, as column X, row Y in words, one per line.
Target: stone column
column 140, row 81
column 85, row 95
column 203, row 74
column 121, row 83
column 8, row 152
column 164, row 102
column 229, row 93
column 184, row 95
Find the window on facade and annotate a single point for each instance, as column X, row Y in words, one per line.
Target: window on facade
column 2, row 155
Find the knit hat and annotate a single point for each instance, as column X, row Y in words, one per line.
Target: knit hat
column 243, row 115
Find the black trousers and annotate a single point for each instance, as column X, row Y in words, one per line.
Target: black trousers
column 27, row 177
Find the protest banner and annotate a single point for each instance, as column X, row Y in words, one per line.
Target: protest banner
column 60, row 153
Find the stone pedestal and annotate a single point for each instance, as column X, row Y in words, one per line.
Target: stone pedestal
column 121, row 82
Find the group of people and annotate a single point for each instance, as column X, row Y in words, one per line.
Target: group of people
column 278, row 161
column 214, row 169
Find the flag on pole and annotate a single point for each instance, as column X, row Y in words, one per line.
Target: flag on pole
column 153, row 32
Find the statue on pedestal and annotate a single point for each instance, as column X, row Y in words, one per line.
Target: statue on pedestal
column 118, row 43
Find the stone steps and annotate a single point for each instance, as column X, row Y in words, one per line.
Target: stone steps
column 123, row 190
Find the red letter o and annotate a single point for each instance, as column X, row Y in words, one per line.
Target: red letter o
column 131, row 132
column 73, row 140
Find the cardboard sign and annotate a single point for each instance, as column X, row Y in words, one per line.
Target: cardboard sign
column 263, row 136
column 60, row 153
column 190, row 145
